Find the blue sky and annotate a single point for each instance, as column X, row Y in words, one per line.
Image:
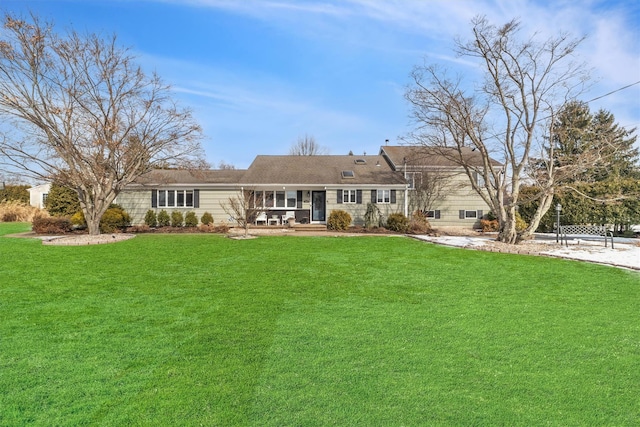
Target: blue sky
column 259, row 74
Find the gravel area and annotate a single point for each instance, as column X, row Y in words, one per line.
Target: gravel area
column 85, row 239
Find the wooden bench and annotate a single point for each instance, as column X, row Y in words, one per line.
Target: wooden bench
column 585, row 230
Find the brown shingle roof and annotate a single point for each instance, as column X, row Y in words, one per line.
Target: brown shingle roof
column 197, row 176
column 320, row 170
column 431, row 156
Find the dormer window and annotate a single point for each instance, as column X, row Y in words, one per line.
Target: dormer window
column 348, row 174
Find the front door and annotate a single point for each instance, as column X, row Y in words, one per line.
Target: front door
column 318, row 206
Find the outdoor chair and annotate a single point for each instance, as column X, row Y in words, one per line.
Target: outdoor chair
column 262, row 217
column 286, row 216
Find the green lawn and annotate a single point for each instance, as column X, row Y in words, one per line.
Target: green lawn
column 302, row 331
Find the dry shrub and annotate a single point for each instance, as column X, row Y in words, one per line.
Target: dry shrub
column 144, row 228
column 16, row 211
column 419, row 223
column 489, row 225
column 51, row 225
column 221, row 228
column 207, row 228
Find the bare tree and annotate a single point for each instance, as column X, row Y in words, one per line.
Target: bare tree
column 83, row 113
column 430, row 188
column 244, row 208
column 507, row 118
column 307, row 146
column 222, row 165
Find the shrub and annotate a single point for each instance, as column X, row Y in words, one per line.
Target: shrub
column 398, row 222
column 177, row 219
column 139, row 229
column 115, row 218
column 221, row 228
column 18, row 211
column 206, row 219
column 419, row 223
column 190, row 219
column 78, row 220
column 164, row 220
column 150, row 218
column 339, row 220
column 62, row 201
column 51, row 225
column 15, row 193
column 489, row 225
column 372, row 217
column 521, row 224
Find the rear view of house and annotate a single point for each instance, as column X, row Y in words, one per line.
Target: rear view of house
column 401, row 179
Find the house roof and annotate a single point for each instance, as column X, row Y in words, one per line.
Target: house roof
column 184, row 176
column 431, row 156
column 321, row 170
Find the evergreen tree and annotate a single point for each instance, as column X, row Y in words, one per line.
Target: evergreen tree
column 605, row 149
column 62, row 201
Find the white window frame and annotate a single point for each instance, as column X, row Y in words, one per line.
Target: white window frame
column 169, row 198
column 383, row 197
column 275, row 199
column 470, row 214
column 412, row 178
column 349, row 196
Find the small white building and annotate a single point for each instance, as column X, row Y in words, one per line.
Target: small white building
column 38, row 195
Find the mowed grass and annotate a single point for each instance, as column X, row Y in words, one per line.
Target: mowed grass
column 311, row 331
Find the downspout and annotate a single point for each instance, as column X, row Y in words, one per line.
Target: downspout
column 406, row 189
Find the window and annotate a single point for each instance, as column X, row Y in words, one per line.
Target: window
column 384, row 196
column 175, row 199
column 44, row 198
column 435, row 214
column 268, row 199
column 470, row 214
column 348, row 196
column 414, row 179
column 348, row 174
column 283, row 199
column 291, row 199
column 286, row 199
column 258, row 199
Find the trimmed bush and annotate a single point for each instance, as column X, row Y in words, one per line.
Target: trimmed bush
column 191, row 219
column 115, row 218
column 62, row 201
column 398, row 222
column 164, row 220
column 177, row 219
column 339, row 220
column 51, row 225
column 207, row 218
column 150, row 218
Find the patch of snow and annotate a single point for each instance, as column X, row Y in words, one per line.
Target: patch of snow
column 624, row 255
